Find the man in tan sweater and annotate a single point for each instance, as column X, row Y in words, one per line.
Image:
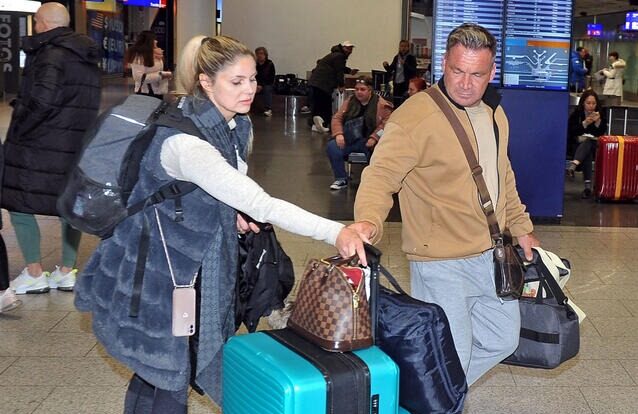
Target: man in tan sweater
column 445, row 232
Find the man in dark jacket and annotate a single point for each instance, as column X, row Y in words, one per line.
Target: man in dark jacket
column 59, row 98
column 401, row 70
column 326, row 76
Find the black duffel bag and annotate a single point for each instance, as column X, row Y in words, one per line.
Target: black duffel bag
column 417, row 336
column 550, row 330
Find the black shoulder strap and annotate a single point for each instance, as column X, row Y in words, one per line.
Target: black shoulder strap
column 172, row 117
column 139, row 90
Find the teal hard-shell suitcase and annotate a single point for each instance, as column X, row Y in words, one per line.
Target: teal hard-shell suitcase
column 262, row 375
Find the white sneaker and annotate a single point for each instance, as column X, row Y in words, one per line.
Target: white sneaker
column 268, row 113
column 8, row 301
column 25, row 283
column 62, row 281
column 339, row 184
column 318, row 124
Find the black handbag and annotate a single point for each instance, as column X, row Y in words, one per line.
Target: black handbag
column 508, row 266
column 417, row 336
column 550, row 331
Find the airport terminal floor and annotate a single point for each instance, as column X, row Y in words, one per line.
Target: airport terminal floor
column 50, row 362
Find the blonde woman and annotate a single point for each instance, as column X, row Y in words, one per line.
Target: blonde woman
column 202, row 248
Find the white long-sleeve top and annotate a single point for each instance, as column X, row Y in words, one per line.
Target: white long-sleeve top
column 153, row 76
column 189, row 158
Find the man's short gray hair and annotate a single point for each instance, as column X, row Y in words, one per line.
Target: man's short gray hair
column 473, row 37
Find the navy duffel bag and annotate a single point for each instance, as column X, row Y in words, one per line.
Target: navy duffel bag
column 417, row 336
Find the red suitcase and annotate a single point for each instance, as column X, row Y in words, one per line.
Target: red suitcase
column 617, row 168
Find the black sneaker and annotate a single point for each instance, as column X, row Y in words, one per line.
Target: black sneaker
column 586, row 193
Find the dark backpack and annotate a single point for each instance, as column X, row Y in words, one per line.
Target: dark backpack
column 265, row 277
column 96, row 194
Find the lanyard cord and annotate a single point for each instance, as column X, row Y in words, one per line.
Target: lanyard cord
column 168, row 259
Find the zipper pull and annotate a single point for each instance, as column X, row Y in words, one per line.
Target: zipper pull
column 355, row 300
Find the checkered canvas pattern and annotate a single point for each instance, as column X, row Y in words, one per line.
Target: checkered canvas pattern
column 324, row 305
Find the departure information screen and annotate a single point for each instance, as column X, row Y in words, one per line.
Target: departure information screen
column 533, row 38
column 537, row 44
column 449, row 14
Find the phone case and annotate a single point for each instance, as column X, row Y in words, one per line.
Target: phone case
column 184, row 311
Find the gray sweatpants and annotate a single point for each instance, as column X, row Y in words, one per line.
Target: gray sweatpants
column 485, row 328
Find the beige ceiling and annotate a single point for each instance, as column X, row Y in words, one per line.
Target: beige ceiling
column 593, row 7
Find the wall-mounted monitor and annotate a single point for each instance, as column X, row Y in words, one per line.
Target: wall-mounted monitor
column 449, row 14
column 631, row 21
column 537, row 44
column 533, row 38
column 594, row 30
column 145, row 3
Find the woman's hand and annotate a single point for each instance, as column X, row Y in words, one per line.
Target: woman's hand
column 350, row 243
column 371, row 143
column 595, row 117
column 244, row 227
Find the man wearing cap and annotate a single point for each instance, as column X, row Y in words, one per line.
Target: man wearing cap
column 326, row 76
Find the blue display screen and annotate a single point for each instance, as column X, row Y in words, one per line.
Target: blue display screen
column 145, row 3
column 631, row 21
column 537, row 44
column 533, row 38
column 594, row 30
column 452, row 13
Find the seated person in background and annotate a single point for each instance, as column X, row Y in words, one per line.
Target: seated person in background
column 356, row 127
column 585, row 126
column 265, row 78
column 401, row 70
column 416, row 85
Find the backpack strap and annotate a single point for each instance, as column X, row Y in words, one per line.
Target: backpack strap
column 168, row 116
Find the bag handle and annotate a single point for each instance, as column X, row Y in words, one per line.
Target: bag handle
column 477, row 171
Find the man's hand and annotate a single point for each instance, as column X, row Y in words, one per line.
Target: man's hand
column 527, row 242
column 371, row 143
column 365, row 230
column 243, row 226
column 341, row 141
column 385, row 64
column 349, row 243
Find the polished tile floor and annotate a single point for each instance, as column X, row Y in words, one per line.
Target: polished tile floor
column 51, row 363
